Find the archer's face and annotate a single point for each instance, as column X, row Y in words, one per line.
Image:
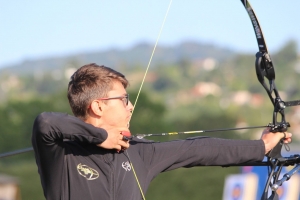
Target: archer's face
column 115, row 111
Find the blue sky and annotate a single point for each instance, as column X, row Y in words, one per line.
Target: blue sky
column 34, row 29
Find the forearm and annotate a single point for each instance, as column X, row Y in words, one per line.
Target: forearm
column 52, row 127
column 215, row 151
column 201, row 152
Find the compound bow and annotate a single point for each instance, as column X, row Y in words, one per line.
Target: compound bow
column 265, row 70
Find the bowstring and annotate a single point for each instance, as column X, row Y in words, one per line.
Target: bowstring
column 150, row 60
column 140, row 89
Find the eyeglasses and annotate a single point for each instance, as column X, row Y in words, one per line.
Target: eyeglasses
column 125, row 99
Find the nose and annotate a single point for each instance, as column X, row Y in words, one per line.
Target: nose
column 130, row 106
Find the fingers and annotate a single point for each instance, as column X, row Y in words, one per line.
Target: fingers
column 271, row 139
column 287, row 137
column 115, row 140
column 125, row 138
column 123, row 142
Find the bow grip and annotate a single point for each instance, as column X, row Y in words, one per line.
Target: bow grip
column 279, row 127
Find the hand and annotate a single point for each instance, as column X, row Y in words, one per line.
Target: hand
column 115, row 139
column 271, row 139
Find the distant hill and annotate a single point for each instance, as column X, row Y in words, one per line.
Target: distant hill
column 138, row 55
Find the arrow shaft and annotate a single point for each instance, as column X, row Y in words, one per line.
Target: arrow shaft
column 197, row 131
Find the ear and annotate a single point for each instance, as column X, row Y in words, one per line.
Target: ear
column 96, row 107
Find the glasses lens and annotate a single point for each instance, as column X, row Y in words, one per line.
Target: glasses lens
column 126, row 99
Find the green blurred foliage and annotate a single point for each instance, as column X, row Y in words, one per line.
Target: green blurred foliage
column 148, row 116
column 17, row 117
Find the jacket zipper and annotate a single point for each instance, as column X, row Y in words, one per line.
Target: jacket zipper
column 112, row 185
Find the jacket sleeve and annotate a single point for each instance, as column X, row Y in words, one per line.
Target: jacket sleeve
column 202, row 151
column 48, row 135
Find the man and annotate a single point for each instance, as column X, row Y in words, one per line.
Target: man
column 85, row 157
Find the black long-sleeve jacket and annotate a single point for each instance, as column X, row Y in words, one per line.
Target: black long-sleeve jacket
column 72, row 167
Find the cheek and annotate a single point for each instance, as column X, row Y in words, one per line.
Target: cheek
column 116, row 116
